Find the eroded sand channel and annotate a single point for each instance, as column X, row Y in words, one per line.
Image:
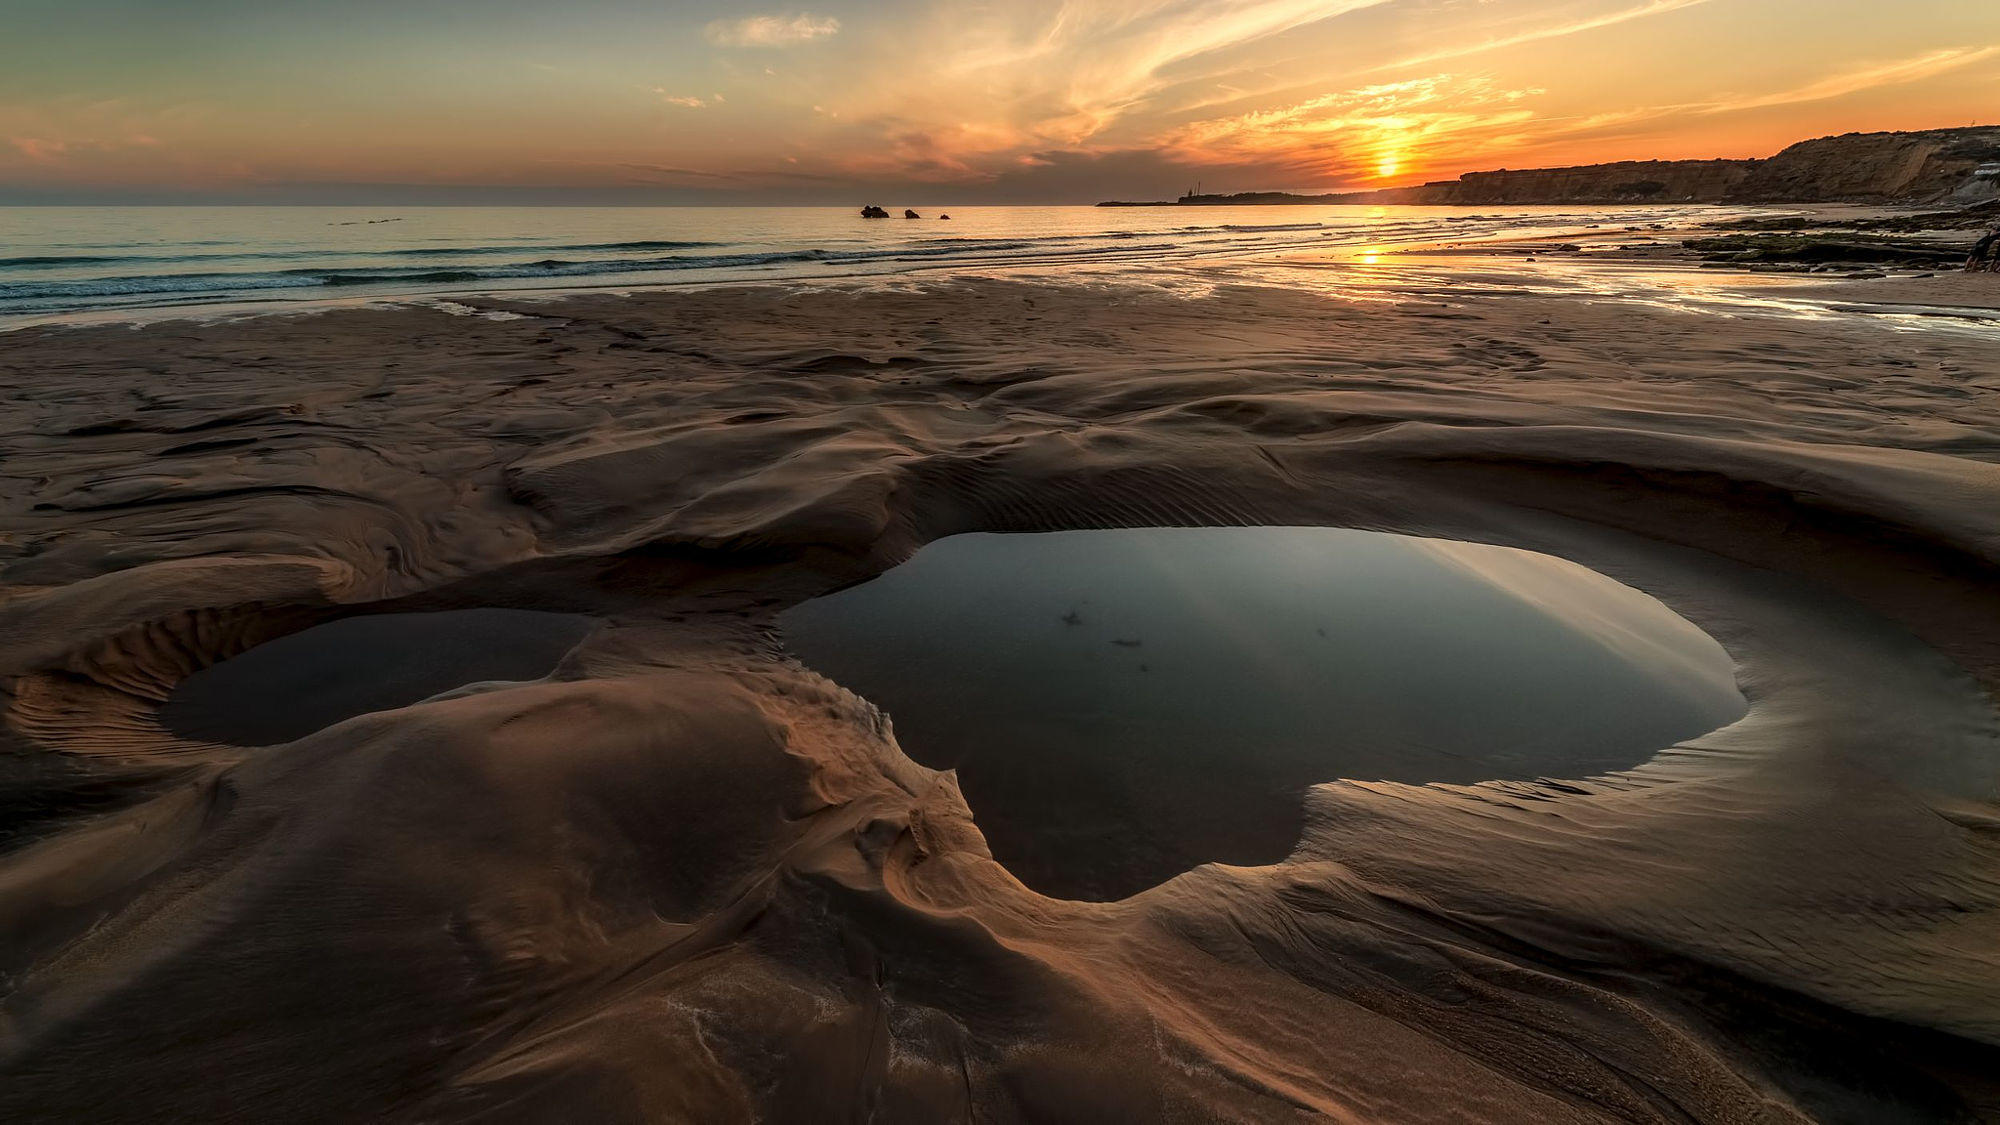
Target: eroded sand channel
column 1124, row 705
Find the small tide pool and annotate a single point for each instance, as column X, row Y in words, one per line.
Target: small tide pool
column 290, row 687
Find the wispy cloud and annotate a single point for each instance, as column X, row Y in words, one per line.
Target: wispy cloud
column 1869, row 77
column 655, row 172
column 772, row 31
column 688, row 101
column 47, row 150
column 1552, row 31
column 38, row 149
column 1662, row 120
column 1087, row 64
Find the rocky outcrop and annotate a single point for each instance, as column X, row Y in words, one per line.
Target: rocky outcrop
column 1982, row 186
column 1821, row 249
column 1985, row 256
column 872, row 212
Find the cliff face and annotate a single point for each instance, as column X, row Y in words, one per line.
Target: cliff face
column 1630, row 181
column 1956, row 165
column 1873, row 166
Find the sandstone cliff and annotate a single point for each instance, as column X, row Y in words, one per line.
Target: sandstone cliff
column 1923, row 166
column 1635, row 181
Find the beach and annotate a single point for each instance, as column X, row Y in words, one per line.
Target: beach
column 681, row 876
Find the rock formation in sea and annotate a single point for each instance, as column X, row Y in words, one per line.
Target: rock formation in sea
column 873, row 212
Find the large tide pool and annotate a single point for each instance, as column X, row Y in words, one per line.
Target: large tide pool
column 1124, row 705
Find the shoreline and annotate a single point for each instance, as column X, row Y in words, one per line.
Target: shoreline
column 1656, row 246
column 991, row 251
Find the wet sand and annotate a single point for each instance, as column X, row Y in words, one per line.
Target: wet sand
column 682, row 877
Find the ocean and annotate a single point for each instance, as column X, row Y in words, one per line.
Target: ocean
column 60, row 263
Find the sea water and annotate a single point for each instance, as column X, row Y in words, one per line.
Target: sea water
column 57, row 262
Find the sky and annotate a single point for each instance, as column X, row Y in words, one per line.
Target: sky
column 935, row 101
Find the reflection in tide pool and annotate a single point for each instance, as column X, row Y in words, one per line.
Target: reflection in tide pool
column 292, row 686
column 1124, row 705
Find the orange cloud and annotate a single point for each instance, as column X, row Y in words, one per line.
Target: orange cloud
column 38, row 149
column 1387, row 129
